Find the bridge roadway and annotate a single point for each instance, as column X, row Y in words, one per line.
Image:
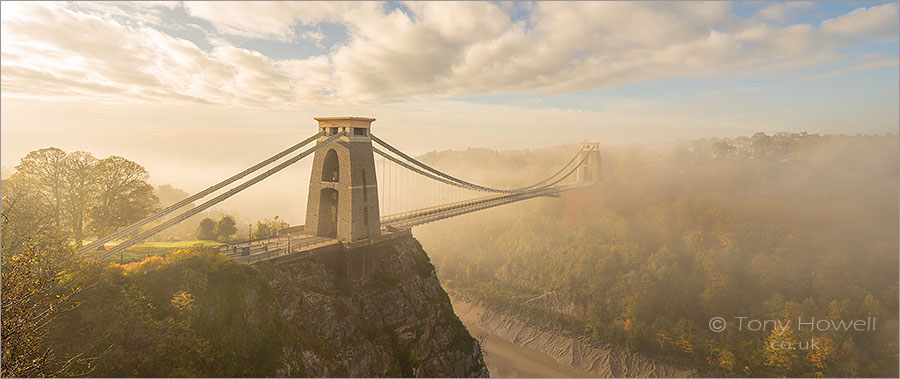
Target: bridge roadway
column 301, row 246
column 426, row 215
column 265, row 249
column 268, row 248
column 252, row 251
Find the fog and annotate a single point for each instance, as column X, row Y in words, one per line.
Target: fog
column 676, row 232
column 194, row 147
column 783, row 226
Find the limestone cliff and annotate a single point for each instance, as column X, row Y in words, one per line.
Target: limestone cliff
column 369, row 312
column 396, row 322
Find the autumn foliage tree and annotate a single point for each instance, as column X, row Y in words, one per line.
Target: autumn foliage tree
column 37, row 285
column 123, row 195
column 768, row 227
column 267, row 228
column 44, row 171
column 226, row 228
column 80, row 184
column 82, row 193
column 206, row 230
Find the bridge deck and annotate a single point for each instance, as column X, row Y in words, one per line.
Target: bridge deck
column 260, row 250
column 279, row 249
column 426, row 215
column 301, row 246
column 269, row 248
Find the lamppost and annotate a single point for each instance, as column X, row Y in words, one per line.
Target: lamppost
column 250, row 232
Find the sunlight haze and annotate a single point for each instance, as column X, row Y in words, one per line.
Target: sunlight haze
column 196, row 91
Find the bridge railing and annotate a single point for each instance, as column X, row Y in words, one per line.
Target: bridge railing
column 257, row 250
column 284, row 248
column 404, row 217
column 440, row 214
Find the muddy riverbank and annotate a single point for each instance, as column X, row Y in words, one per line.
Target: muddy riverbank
column 518, row 348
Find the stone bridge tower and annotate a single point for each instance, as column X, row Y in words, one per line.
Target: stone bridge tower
column 591, row 170
column 343, row 192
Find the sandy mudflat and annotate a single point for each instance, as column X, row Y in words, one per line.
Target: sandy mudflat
column 507, row 360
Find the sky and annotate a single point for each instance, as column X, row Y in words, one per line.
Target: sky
column 200, row 90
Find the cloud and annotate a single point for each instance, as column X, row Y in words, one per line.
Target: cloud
column 52, row 52
column 878, row 23
column 859, row 67
column 780, row 11
column 270, row 19
column 417, row 51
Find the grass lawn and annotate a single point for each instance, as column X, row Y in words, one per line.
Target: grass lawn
column 147, row 249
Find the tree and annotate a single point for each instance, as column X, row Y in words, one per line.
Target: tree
column 44, row 169
column 721, row 150
column 33, row 295
column 124, row 195
column 821, row 357
column 268, row 228
column 780, row 351
column 262, row 230
column 762, row 145
column 169, row 194
column 82, row 192
column 207, row 229
column 34, row 255
column 24, row 214
column 80, row 182
column 226, row 228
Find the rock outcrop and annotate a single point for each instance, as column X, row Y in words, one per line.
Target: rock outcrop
column 574, row 352
column 397, row 322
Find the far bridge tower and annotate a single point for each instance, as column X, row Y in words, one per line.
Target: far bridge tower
column 591, row 170
column 343, row 192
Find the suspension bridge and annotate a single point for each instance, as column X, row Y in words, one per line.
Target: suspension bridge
column 354, row 199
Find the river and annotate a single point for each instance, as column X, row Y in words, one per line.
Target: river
column 516, row 348
column 507, row 360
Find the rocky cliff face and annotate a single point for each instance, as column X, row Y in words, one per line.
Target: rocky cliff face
column 397, row 322
column 577, row 353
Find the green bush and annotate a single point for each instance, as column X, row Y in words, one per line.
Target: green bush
column 192, row 313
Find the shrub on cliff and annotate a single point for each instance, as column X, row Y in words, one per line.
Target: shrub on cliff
column 192, row 313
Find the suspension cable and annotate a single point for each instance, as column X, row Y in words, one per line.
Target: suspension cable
column 462, row 183
column 102, row 241
column 572, row 171
column 416, row 170
column 557, row 172
column 218, row 199
column 441, row 211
